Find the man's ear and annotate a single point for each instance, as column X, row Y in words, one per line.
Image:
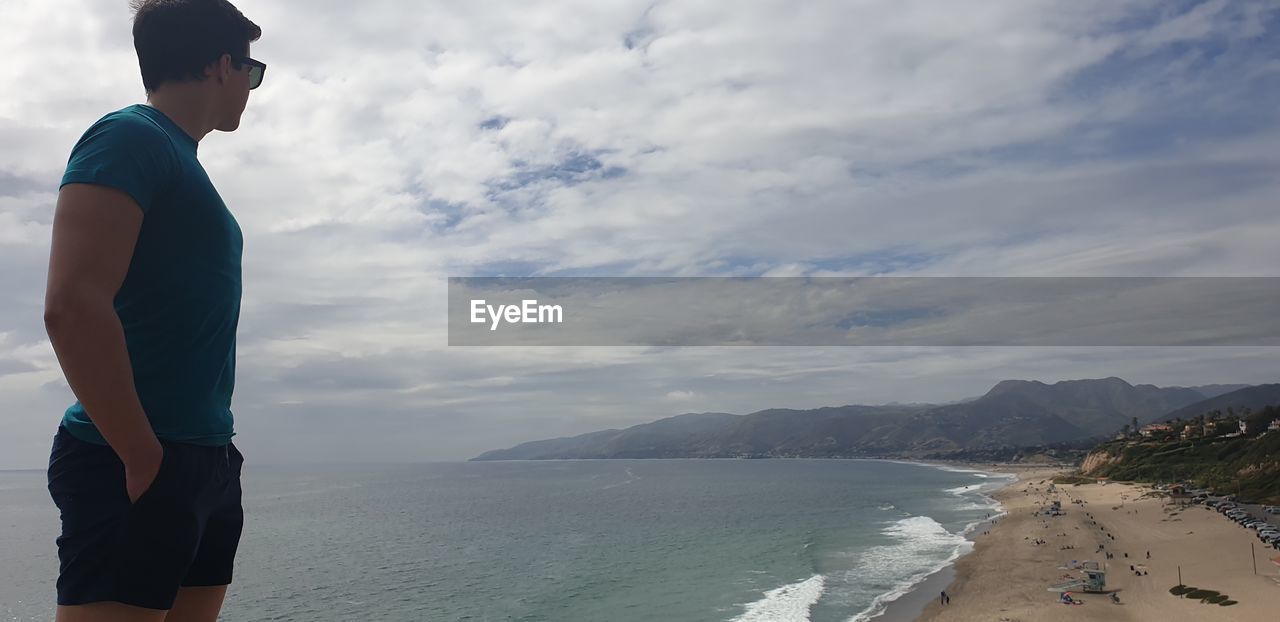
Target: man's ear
column 224, row 67
column 219, row 69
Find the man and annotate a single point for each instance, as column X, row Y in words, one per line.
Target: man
column 142, row 305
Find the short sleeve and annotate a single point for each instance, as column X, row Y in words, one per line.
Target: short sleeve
column 131, row 155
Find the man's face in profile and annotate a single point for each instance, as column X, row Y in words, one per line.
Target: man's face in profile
column 233, row 95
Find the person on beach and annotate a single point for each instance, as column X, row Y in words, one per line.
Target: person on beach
column 141, row 306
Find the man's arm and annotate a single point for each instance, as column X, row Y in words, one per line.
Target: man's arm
column 94, row 232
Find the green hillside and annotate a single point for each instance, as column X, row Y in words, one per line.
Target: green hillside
column 1226, row 461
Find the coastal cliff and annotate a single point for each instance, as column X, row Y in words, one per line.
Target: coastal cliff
column 1097, row 460
column 1223, row 457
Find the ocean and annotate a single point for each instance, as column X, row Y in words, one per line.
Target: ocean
column 560, row 541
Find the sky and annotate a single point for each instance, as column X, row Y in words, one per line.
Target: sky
column 395, row 144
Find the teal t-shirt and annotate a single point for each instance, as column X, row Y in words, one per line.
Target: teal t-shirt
column 180, row 300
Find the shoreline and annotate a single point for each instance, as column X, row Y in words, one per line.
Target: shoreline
column 1007, row 576
column 937, row 583
column 911, row 604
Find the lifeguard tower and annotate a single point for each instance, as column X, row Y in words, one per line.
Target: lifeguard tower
column 1094, row 580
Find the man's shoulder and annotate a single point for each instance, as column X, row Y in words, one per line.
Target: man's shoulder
column 128, row 128
column 126, row 150
column 129, row 120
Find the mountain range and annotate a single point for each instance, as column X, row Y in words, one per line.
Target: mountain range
column 1013, row 414
column 1254, row 398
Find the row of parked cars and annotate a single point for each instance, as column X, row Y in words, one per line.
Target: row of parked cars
column 1268, row 532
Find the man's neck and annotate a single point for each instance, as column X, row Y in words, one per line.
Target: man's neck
column 185, row 105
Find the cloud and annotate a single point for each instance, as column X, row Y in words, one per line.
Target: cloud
column 391, row 148
column 680, row 396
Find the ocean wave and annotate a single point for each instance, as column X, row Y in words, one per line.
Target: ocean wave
column 789, row 603
column 631, row 477
column 917, row 548
column 922, row 547
column 978, row 499
column 957, row 469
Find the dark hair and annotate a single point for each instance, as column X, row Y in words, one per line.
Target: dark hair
column 177, row 39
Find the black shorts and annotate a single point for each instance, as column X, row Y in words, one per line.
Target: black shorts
column 182, row 531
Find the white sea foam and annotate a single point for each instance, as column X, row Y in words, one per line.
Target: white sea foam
column 789, row 603
column 953, row 469
column 631, row 477
column 928, row 544
column 978, row 496
column 922, row 547
column 960, row 490
column 979, row 499
column 957, row 469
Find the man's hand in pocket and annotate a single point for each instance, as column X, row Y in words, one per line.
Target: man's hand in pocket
column 141, row 469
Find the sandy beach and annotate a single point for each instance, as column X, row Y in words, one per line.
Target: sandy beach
column 1006, row 577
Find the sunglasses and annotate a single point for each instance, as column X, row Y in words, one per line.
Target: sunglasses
column 256, row 69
